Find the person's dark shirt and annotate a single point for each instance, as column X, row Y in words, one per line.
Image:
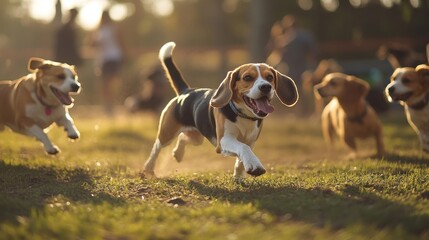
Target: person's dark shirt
column 66, row 49
column 297, row 52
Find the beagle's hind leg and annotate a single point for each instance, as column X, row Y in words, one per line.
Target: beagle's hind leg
column 193, row 137
column 239, row 171
column 167, row 131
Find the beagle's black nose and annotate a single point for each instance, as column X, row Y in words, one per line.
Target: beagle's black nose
column 75, row 87
column 391, row 90
column 265, row 88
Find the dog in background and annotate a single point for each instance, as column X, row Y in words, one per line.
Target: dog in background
column 312, row 78
column 410, row 87
column 230, row 117
column 30, row 104
column 152, row 95
column 348, row 115
column 400, row 55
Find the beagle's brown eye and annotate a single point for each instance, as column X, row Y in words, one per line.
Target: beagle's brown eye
column 247, row 78
column 332, row 83
column 270, row 78
column 406, row 80
column 61, row 76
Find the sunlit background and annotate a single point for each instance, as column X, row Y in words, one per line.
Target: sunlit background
column 44, row 10
column 213, row 36
column 90, row 11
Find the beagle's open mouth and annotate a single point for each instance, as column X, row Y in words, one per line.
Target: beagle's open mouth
column 261, row 107
column 63, row 97
column 401, row 97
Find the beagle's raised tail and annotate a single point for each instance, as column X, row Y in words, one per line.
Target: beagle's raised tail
column 176, row 79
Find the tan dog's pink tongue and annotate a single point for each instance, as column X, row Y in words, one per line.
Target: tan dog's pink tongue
column 264, row 105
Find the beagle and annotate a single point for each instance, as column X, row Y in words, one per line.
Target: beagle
column 410, row 87
column 30, row 104
column 230, row 117
column 348, row 115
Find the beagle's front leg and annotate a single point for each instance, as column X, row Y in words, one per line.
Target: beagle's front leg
column 40, row 135
column 67, row 122
column 231, row 146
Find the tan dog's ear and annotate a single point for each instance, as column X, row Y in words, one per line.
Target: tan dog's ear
column 223, row 93
column 423, row 71
column 35, row 63
column 356, row 87
column 286, row 89
column 73, row 69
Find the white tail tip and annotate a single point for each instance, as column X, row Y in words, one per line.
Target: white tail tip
column 166, row 50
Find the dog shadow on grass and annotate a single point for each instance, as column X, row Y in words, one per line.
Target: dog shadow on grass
column 24, row 189
column 421, row 160
column 323, row 207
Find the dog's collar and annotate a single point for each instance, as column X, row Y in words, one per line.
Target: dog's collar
column 359, row 118
column 48, row 108
column 420, row 105
column 239, row 113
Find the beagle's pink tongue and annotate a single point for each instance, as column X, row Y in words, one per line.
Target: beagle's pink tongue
column 264, row 105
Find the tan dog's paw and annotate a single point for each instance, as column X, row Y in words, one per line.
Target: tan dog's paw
column 53, row 150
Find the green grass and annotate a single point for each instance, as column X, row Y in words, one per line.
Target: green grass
column 93, row 189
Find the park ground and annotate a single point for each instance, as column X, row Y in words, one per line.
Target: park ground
column 94, row 190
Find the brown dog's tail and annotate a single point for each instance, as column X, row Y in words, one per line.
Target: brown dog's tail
column 174, row 75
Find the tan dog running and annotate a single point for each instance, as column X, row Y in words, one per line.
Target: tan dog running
column 348, row 115
column 410, row 87
column 230, row 117
column 32, row 103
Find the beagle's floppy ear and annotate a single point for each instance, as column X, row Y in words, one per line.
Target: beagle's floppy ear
column 423, row 71
column 357, row 87
column 286, row 89
column 35, row 63
column 223, row 93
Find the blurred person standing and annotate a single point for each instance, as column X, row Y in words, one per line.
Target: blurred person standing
column 65, row 44
column 109, row 46
column 298, row 47
column 293, row 50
